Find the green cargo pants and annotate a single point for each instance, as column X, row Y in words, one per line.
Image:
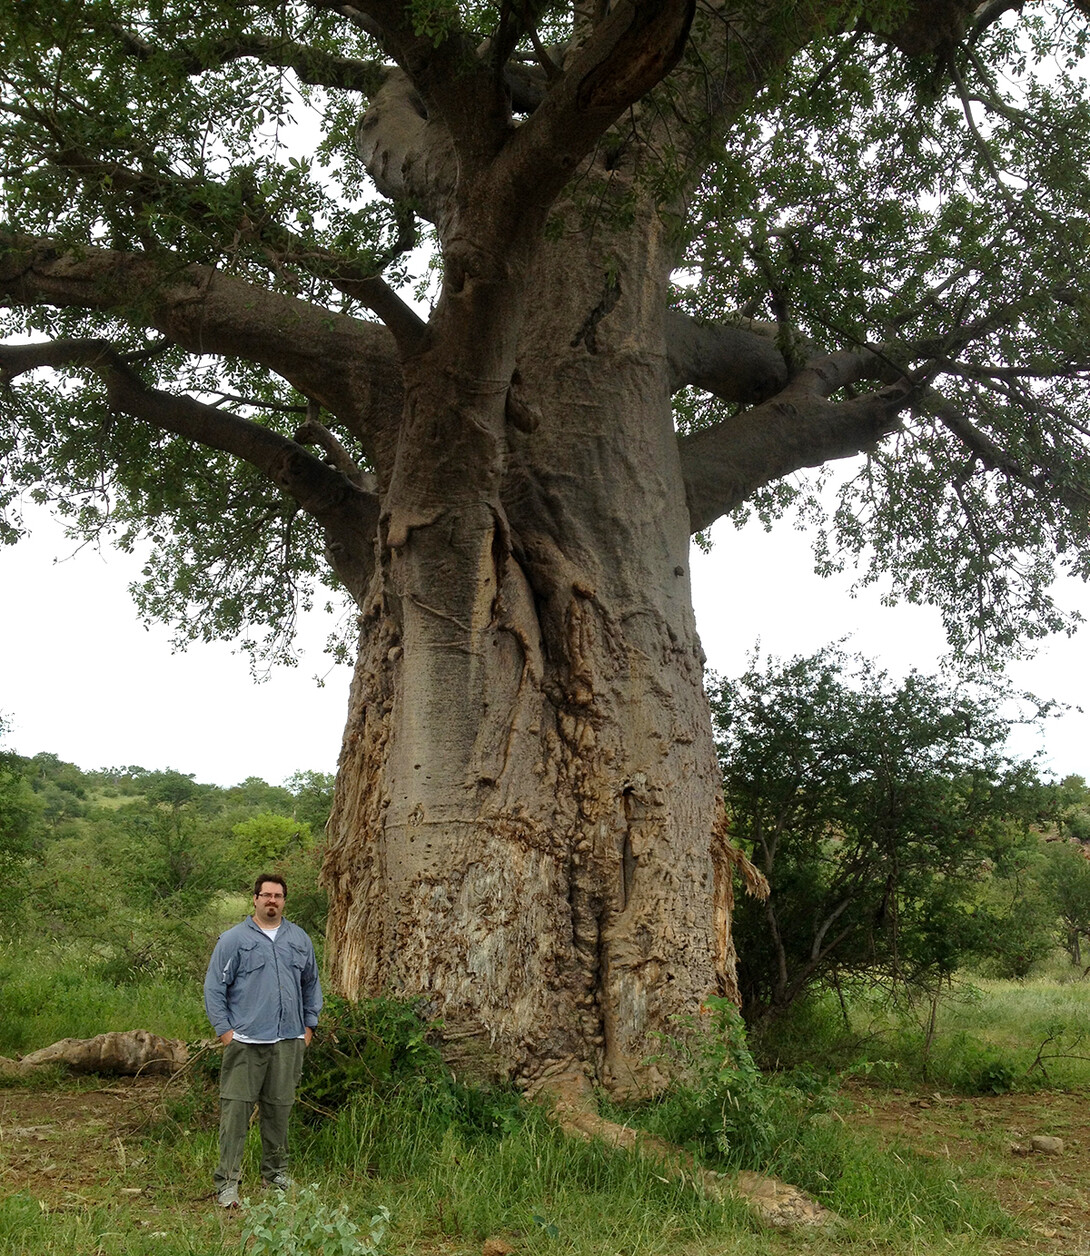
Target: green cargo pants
column 265, row 1073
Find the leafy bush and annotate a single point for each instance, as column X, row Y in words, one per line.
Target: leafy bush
column 722, row 1107
column 308, row 903
column 378, row 1046
column 993, row 1078
column 1024, row 933
column 366, row 1045
column 872, row 808
column 299, row 1224
column 263, row 839
column 1064, row 878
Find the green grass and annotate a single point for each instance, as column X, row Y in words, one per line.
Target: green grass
column 990, row 1034
column 120, row 1230
column 449, row 1188
column 47, row 997
column 455, row 1172
column 455, row 1168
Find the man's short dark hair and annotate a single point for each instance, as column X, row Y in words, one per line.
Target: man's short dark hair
column 276, row 879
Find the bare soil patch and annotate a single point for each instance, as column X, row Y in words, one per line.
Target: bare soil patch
column 991, row 1136
column 83, row 1144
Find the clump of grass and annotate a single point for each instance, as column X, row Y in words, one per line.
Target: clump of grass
column 900, row 1192
column 791, row 1124
column 45, row 997
column 446, row 1181
column 446, row 1173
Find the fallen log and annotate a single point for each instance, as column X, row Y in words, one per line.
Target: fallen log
column 134, row 1052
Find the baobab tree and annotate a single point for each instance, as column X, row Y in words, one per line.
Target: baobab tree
column 682, row 252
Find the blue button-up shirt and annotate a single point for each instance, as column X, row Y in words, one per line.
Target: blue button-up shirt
column 265, row 989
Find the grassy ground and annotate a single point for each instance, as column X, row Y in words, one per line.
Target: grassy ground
column 1042, row 1026
column 91, row 1174
column 988, row 1035
column 910, row 1166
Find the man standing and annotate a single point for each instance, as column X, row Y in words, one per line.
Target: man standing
column 262, row 996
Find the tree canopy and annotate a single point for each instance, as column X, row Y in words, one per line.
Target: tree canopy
column 879, row 213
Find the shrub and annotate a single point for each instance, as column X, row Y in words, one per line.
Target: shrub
column 369, row 1044
column 871, row 807
column 721, row 1107
column 299, row 1224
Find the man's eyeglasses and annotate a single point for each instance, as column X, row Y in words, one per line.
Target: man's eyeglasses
column 270, row 896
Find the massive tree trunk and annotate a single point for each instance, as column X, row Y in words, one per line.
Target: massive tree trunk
column 528, row 820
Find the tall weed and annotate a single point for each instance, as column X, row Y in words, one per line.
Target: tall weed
column 720, row 1106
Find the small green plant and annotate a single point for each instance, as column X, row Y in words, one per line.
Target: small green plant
column 721, row 1106
column 548, row 1228
column 297, row 1223
column 995, row 1078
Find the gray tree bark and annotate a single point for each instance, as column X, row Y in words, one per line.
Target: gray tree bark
column 528, row 826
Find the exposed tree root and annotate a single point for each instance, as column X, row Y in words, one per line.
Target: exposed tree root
column 127, row 1054
column 775, row 1203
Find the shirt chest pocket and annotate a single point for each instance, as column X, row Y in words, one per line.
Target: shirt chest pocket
column 251, row 959
column 297, row 958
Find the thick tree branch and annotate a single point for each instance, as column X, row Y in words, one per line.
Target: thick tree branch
column 347, row 513
column 348, row 366
column 927, row 28
column 454, row 83
column 426, row 142
column 987, row 15
column 632, row 49
column 311, row 65
column 731, row 362
column 409, row 155
column 799, row 427
column 254, row 225
column 350, row 14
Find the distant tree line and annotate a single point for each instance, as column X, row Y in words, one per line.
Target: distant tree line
column 141, row 866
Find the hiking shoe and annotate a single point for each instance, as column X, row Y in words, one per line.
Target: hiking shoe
column 280, row 1182
column 227, row 1196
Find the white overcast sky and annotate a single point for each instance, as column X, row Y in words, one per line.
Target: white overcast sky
column 81, row 677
